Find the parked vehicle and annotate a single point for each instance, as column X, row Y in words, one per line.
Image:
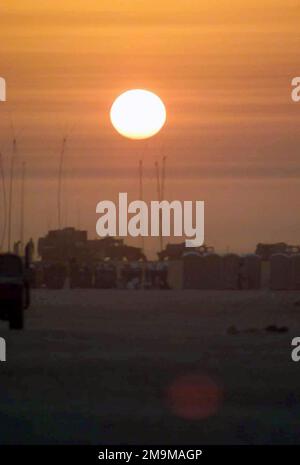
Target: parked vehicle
column 14, row 290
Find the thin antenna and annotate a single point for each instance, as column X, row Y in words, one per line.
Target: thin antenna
column 10, row 193
column 157, row 181
column 163, row 177
column 22, row 219
column 48, row 222
column 162, row 192
column 4, row 202
column 60, row 170
column 141, row 193
column 78, row 216
column 60, row 180
column 159, row 195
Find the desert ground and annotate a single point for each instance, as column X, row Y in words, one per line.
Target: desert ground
column 99, row 367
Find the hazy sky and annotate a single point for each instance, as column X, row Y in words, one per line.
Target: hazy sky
column 223, row 69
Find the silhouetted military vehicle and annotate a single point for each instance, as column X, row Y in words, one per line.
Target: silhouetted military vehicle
column 14, row 290
column 176, row 251
column 265, row 251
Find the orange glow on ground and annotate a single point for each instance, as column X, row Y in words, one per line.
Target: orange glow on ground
column 194, row 397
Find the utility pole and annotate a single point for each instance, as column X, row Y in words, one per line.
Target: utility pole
column 22, row 216
column 60, row 173
column 141, row 193
column 10, row 193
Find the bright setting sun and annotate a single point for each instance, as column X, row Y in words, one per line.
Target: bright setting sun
column 138, row 114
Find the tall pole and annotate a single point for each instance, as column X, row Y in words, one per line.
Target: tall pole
column 163, row 177
column 10, row 194
column 141, row 179
column 159, row 196
column 60, row 173
column 141, row 193
column 157, row 181
column 78, row 216
column 4, row 203
column 162, row 192
column 22, row 219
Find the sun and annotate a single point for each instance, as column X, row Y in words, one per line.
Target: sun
column 138, row 114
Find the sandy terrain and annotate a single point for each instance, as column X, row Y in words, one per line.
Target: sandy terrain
column 96, row 367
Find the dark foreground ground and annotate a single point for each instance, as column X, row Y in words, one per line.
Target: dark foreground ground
column 142, row 367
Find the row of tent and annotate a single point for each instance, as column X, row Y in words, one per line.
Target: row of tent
column 212, row 271
column 285, row 272
column 232, row 271
column 193, row 271
column 105, row 275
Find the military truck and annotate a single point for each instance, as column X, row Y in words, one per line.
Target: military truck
column 14, row 289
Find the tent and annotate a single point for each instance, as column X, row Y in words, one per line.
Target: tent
column 252, row 265
column 295, row 271
column 280, row 271
column 212, row 278
column 193, row 270
column 230, row 271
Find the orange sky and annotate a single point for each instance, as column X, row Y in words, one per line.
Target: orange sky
column 223, row 69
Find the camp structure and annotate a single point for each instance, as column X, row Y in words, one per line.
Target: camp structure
column 280, row 271
column 295, row 271
column 55, row 275
column 175, row 274
column 105, row 276
column 252, row 265
column 193, row 270
column 202, row 271
column 208, row 271
column 81, row 276
column 212, row 276
column 230, row 271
